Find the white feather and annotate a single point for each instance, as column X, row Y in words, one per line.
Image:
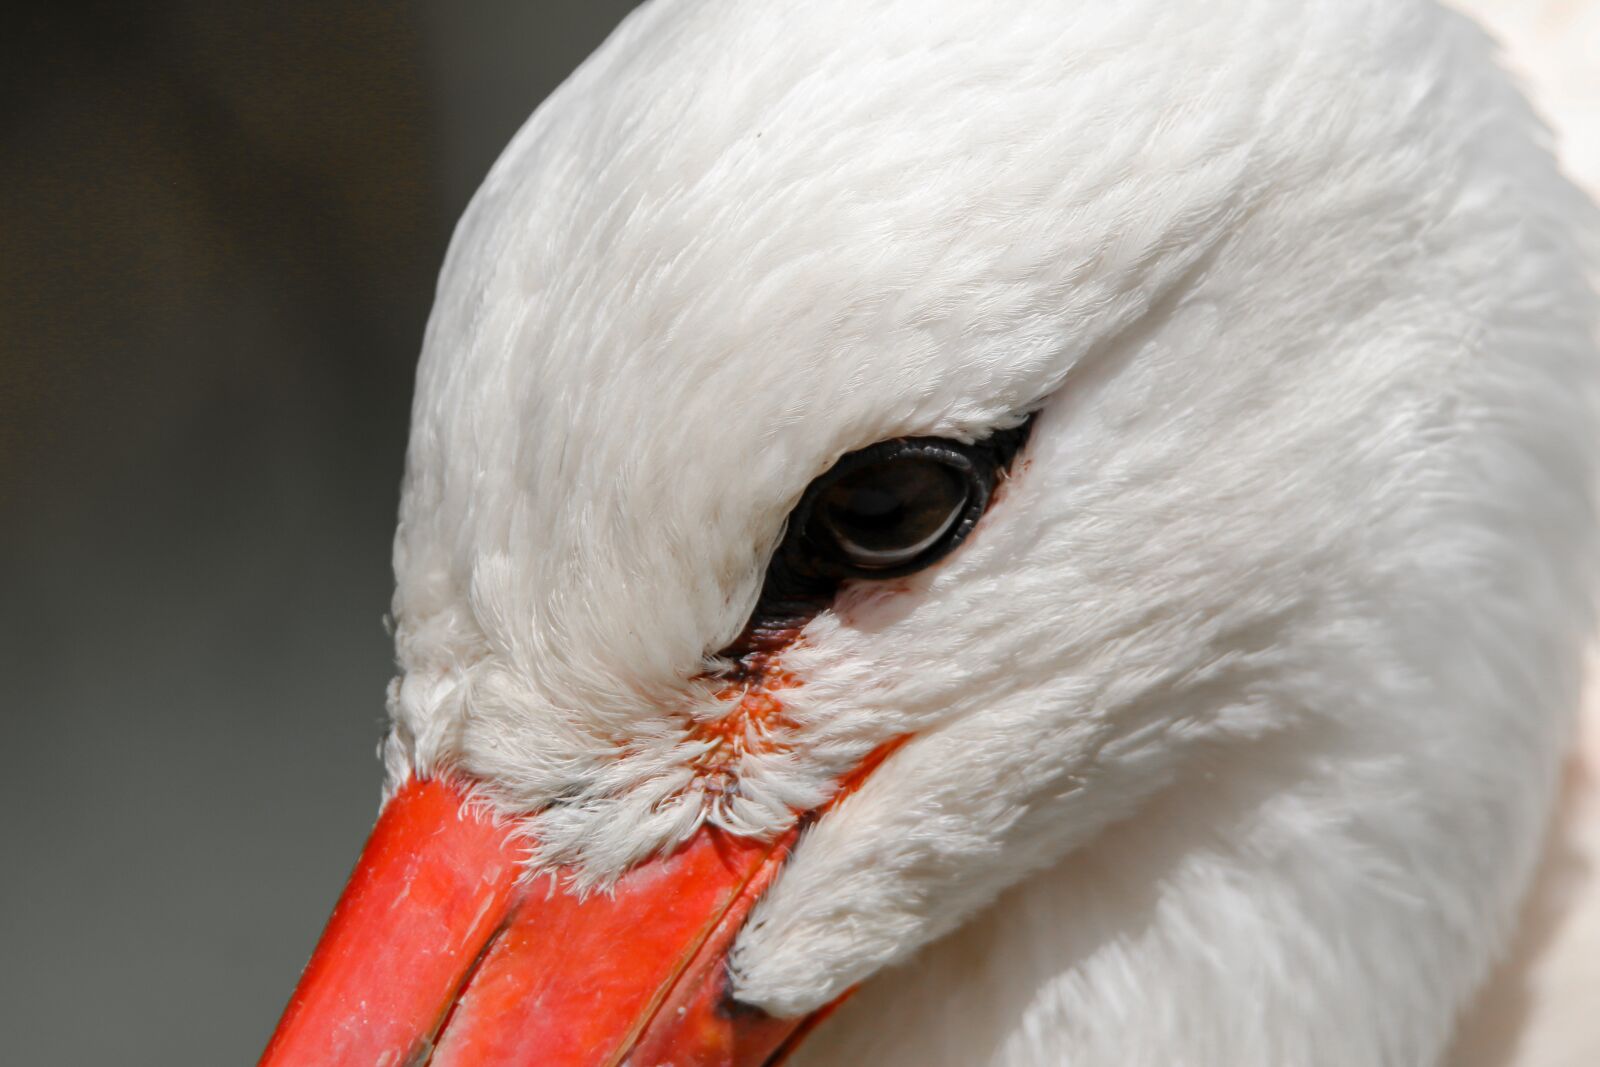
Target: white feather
column 1250, row 694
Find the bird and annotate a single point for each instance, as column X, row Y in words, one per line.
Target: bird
column 957, row 534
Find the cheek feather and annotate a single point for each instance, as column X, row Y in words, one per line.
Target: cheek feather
column 754, row 724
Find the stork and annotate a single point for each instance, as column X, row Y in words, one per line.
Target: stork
column 1071, row 522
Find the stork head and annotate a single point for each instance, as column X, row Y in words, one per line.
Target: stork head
column 865, row 454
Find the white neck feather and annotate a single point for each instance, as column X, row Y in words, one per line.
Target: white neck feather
column 1147, row 949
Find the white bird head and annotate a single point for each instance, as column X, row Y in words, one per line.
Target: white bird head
column 1153, row 439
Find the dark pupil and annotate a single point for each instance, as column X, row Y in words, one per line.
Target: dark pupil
column 891, row 512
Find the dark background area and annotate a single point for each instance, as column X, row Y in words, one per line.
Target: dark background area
column 221, row 228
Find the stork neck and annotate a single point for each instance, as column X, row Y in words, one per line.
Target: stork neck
column 1260, row 940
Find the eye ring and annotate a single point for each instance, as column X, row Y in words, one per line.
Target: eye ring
column 930, row 494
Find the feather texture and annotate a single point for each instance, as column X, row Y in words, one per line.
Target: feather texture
column 1248, row 697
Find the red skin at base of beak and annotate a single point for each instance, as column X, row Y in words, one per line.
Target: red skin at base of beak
column 435, row 954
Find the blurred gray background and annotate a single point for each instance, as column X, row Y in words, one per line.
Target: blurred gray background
column 220, row 231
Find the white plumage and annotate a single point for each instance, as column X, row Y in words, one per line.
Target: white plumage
column 1538, row 1009
column 1249, row 695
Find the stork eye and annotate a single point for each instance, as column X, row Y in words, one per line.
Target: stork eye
column 887, row 514
column 891, row 509
column 882, row 512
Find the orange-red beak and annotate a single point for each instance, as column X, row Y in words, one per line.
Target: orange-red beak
column 437, row 954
